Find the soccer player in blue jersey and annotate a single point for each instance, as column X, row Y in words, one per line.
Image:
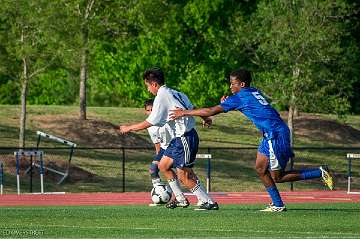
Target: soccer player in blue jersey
column 182, row 149
column 274, row 150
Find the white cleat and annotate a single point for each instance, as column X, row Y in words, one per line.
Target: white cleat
column 272, row 208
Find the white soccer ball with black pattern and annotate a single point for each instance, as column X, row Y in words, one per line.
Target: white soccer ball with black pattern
column 161, row 193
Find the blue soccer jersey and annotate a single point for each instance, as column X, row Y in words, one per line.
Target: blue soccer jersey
column 276, row 142
column 253, row 105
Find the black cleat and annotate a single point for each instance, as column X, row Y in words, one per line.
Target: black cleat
column 175, row 203
column 208, row 206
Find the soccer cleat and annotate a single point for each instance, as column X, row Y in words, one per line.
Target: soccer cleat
column 272, row 208
column 207, row 206
column 175, row 203
column 199, row 203
column 326, row 177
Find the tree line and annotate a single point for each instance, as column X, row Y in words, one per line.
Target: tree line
column 304, row 54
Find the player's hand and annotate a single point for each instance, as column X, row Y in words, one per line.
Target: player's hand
column 124, row 129
column 206, row 122
column 177, row 113
column 223, row 98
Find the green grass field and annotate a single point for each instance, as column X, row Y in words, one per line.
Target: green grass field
column 337, row 220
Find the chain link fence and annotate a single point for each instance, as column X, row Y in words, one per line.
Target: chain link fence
column 126, row 169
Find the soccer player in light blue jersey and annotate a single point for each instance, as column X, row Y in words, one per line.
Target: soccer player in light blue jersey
column 274, row 150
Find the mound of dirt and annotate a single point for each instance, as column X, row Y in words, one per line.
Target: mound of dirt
column 88, row 133
column 316, row 128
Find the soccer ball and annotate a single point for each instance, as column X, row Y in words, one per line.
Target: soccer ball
column 161, row 193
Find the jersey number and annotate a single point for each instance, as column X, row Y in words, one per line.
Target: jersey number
column 260, row 98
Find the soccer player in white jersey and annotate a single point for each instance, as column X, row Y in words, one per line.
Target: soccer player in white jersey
column 161, row 137
column 181, row 152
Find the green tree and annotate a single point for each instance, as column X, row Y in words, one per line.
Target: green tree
column 28, row 47
column 298, row 48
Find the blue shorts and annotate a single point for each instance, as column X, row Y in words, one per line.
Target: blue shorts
column 183, row 150
column 277, row 149
column 159, row 155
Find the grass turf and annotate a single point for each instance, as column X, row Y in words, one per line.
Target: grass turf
column 336, row 220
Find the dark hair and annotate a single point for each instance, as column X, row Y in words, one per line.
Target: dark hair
column 148, row 102
column 154, row 75
column 242, row 76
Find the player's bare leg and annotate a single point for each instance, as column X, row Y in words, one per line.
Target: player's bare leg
column 261, row 167
column 189, row 179
column 165, row 165
column 280, row 176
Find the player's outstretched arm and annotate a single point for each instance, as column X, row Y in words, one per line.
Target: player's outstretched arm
column 134, row 127
column 202, row 112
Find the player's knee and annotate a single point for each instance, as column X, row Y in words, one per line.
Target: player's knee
column 260, row 170
column 154, row 170
column 163, row 167
column 278, row 178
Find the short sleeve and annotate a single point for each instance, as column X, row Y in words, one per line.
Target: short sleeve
column 231, row 103
column 159, row 113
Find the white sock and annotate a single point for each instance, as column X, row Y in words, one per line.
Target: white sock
column 175, row 187
column 155, row 181
column 201, row 194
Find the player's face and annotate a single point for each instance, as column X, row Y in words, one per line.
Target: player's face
column 235, row 85
column 151, row 87
column 148, row 109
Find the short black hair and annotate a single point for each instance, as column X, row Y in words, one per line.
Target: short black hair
column 148, row 102
column 154, row 75
column 242, row 76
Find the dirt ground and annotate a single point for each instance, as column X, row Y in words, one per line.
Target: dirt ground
column 88, row 133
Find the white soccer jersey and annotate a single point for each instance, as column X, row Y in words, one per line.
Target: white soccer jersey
column 168, row 99
column 165, row 135
column 154, row 134
column 161, row 135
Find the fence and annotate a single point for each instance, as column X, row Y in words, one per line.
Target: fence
column 126, row 169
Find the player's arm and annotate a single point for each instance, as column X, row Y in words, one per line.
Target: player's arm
column 134, row 127
column 202, row 112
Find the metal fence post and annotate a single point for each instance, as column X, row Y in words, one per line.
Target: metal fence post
column 292, row 168
column 123, row 169
column 1, row 178
column 208, row 181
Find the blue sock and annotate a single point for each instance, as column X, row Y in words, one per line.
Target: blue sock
column 275, row 196
column 310, row 173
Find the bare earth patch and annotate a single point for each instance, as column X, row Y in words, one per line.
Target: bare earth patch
column 88, row 133
column 316, row 128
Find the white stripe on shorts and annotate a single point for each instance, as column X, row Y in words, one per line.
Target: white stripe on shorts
column 186, row 150
column 274, row 163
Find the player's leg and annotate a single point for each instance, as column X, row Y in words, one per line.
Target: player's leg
column 280, row 149
column 261, row 166
column 189, row 179
column 165, row 166
column 184, row 164
column 305, row 174
column 154, row 173
column 154, row 168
